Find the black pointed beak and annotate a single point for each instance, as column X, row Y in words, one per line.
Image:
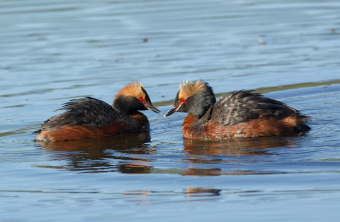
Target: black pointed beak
column 152, row 108
column 171, row 111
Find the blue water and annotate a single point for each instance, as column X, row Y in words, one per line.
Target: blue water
column 51, row 52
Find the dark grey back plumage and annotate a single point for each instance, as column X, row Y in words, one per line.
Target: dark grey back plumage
column 242, row 106
column 87, row 112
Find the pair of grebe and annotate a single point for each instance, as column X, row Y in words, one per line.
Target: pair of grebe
column 239, row 114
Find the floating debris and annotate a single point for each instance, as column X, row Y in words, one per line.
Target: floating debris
column 261, row 41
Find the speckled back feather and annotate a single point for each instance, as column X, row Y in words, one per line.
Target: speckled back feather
column 86, row 111
column 241, row 106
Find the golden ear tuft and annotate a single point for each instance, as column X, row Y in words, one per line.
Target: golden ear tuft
column 189, row 88
column 133, row 89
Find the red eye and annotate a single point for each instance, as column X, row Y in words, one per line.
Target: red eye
column 141, row 99
column 182, row 100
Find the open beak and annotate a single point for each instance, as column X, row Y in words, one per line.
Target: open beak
column 171, row 111
column 152, row 108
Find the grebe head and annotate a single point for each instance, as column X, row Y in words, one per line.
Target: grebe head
column 193, row 97
column 131, row 98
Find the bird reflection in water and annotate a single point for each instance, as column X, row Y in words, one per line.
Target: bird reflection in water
column 201, row 152
column 235, row 147
column 190, row 194
column 102, row 155
column 201, row 192
column 133, row 154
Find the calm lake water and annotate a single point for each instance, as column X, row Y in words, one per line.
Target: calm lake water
column 54, row 51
